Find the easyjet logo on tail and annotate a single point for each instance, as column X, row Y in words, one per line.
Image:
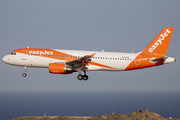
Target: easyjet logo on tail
column 159, row 41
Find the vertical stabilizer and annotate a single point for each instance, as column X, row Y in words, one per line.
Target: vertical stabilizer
column 160, row 44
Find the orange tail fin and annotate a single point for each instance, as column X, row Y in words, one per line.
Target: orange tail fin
column 160, row 44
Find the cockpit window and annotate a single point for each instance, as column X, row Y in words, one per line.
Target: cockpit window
column 12, row 53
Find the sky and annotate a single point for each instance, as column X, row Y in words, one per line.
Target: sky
column 109, row 25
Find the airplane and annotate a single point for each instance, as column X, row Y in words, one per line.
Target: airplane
column 60, row 61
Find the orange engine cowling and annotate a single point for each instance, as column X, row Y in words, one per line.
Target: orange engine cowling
column 56, row 68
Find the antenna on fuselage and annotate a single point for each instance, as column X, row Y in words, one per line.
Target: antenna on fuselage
column 27, row 46
column 103, row 50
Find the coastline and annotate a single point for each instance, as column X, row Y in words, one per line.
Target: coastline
column 139, row 115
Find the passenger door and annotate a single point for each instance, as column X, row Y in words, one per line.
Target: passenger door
column 24, row 55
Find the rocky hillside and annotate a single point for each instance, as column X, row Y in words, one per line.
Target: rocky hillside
column 140, row 115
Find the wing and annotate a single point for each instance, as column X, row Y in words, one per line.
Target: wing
column 80, row 62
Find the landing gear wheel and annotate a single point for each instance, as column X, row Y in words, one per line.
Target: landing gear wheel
column 79, row 77
column 85, row 77
column 25, row 70
column 24, row 74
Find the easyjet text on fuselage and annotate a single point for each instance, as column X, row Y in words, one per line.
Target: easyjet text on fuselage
column 41, row 52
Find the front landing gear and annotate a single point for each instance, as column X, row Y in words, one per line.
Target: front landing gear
column 25, row 70
column 84, row 77
column 24, row 74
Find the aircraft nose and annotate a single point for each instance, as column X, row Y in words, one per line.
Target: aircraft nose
column 5, row 59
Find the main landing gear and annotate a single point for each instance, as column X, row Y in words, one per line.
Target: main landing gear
column 84, row 77
column 79, row 77
column 25, row 70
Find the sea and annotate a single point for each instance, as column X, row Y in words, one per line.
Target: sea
column 15, row 104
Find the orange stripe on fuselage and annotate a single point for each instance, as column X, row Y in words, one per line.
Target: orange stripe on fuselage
column 50, row 53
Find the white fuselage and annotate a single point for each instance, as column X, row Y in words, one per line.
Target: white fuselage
column 113, row 60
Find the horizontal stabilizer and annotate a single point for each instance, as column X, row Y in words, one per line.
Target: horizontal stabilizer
column 157, row 60
column 163, row 60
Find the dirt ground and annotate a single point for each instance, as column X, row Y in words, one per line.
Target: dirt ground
column 140, row 115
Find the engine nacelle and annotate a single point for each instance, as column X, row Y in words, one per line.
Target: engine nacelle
column 56, row 68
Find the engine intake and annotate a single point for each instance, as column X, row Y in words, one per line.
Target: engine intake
column 56, row 68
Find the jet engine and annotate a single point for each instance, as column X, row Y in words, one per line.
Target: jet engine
column 57, row 68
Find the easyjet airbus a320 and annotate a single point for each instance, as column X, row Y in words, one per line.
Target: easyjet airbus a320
column 68, row 61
